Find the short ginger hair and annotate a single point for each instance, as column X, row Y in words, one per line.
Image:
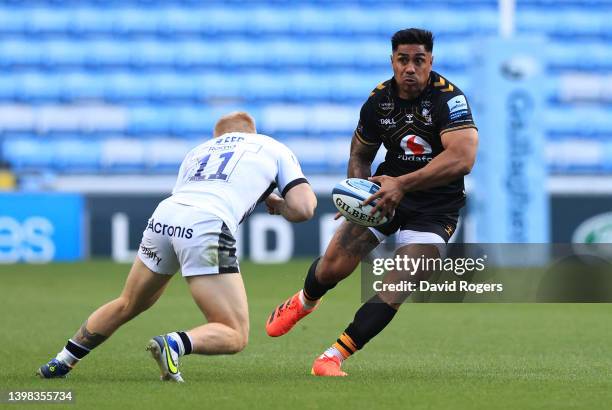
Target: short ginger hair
column 237, row 121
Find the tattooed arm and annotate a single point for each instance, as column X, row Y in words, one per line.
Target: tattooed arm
column 361, row 158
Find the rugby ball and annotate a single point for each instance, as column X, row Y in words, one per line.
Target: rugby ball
column 348, row 196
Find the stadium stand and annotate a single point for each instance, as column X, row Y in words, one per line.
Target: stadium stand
column 128, row 86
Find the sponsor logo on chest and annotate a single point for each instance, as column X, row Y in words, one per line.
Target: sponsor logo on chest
column 415, row 148
column 389, row 122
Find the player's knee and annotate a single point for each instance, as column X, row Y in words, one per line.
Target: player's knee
column 239, row 341
column 128, row 308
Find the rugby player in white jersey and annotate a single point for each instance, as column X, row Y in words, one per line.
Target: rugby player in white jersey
column 218, row 185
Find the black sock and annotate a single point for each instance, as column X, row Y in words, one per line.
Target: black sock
column 371, row 318
column 313, row 289
column 186, row 342
column 76, row 350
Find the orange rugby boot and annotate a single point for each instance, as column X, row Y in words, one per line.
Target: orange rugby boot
column 327, row 366
column 286, row 315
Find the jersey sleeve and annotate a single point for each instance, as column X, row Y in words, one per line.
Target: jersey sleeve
column 289, row 171
column 366, row 128
column 454, row 113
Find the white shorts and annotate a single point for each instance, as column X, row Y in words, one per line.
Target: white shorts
column 189, row 238
column 408, row 236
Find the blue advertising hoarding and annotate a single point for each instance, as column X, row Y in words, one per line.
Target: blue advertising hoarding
column 509, row 201
column 39, row 228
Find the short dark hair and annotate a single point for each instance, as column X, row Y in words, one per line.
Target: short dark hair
column 413, row 36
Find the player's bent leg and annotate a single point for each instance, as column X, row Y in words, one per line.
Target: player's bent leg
column 222, row 298
column 395, row 277
column 347, row 247
column 142, row 289
column 372, row 317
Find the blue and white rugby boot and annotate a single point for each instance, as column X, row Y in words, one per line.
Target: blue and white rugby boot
column 165, row 352
column 54, row 369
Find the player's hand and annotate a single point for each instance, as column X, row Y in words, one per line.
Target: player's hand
column 274, row 203
column 337, row 216
column 388, row 197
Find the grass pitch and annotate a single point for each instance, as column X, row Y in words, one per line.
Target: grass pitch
column 489, row 356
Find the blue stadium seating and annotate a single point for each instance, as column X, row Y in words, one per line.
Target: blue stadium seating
column 19, row 53
column 33, row 154
column 226, row 53
column 172, row 67
column 82, row 86
column 75, row 155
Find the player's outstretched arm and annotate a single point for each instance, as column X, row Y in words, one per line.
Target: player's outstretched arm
column 298, row 205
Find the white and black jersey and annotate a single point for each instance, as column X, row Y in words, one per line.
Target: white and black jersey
column 227, row 176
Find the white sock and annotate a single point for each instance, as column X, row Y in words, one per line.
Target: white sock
column 332, row 351
column 308, row 304
column 175, row 336
column 66, row 357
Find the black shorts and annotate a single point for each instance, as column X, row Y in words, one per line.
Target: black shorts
column 443, row 225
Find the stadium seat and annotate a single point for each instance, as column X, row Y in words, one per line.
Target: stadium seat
column 62, row 53
column 219, row 85
column 35, row 86
column 108, row 53
column 225, row 20
column 196, row 53
column 308, row 20
column 563, row 157
column 82, row 86
column 584, row 87
column 171, row 86
column 243, row 53
column 46, row 20
column 12, row 21
column 335, row 53
column 262, row 86
column 19, row 53
column 308, row 86
column 16, row 117
column 579, row 120
column 148, row 54
column 286, row 53
column 179, row 21
column 89, row 21
column 32, row 154
column 355, row 86
column 269, row 20
column 189, row 120
column 129, row 21
column 166, row 154
column 124, row 86
column 76, row 155
column 123, row 154
column 147, row 119
column 8, row 88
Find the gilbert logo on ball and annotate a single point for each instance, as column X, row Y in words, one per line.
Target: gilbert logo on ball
column 348, row 196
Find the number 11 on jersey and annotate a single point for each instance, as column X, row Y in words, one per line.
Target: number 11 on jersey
column 219, row 166
column 226, row 156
